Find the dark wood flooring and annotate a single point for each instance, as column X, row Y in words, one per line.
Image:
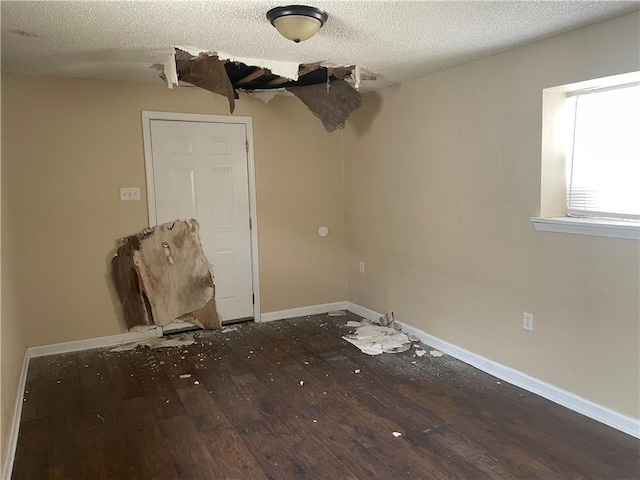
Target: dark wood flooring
column 283, row 400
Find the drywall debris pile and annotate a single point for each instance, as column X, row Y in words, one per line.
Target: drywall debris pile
column 376, row 339
column 157, row 342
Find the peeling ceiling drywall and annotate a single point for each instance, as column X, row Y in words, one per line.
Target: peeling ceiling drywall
column 397, row 40
column 326, row 91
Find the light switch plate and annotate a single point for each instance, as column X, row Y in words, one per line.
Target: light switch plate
column 129, row 193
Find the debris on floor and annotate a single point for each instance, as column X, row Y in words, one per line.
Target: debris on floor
column 420, row 352
column 352, row 323
column 337, row 313
column 436, row 353
column 157, row 342
column 162, row 274
column 389, row 320
column 375, row 339
column 229, row 329
column 185, row 375
column 396, row 434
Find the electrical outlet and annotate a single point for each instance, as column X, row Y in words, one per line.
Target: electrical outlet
column 527, row 321
column 129, row 193
column 361, row 267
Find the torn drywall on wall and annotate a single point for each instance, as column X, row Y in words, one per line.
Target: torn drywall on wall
column 162, row 274
column 135, row 306
column 325, row 88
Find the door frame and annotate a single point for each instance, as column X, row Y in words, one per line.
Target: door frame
column 147, row 116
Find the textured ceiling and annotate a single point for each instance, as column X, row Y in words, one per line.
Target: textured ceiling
column 398, row 40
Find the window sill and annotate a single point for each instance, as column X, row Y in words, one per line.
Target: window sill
column 588, row 226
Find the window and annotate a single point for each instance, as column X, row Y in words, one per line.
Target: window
column 591, row 158
column 603, row 171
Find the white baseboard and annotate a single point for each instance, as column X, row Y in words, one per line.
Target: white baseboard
column 15, row 423
column 303, row 311
column 43, row 350
column 562, row 397
column 90, row 343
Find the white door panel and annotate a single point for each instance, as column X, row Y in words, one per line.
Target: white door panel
column 200, row 171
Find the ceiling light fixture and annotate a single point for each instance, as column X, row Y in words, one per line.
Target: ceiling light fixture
column 297, row 22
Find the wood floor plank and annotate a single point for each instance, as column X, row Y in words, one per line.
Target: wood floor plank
column 485, row 429
column 330, row 469
column 360, row 461
column 190, row 457
column 38, row 377
column 163, row 399
column 292, row 399
column 149, row 451
column 232, row 457
column 447, row 438
column 275, row 460
column 281, row 418
column 35, row 436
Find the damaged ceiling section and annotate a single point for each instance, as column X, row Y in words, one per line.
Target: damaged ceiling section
column 329, row 91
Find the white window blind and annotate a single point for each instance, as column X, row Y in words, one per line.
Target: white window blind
column 603, row 174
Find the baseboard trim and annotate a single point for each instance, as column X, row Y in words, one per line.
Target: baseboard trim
column 562, row 397
column 15, row 423
column 90, row 343
column 303, row 311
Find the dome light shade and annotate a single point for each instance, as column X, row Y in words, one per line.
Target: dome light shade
column 297, row 22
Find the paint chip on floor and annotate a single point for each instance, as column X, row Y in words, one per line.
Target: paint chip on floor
column 436, row 353
column 185, row 375
column 420, row 353
column 353, row 323
column 396, row 434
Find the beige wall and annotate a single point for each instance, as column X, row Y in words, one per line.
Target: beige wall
column 441, row 177
column 68, row 145
column 12, row 341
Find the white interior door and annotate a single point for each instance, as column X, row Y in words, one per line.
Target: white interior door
column 200, row 171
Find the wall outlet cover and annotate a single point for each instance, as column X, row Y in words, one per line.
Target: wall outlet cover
column 527, row 321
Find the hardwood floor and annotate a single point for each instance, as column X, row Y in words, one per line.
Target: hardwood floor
column 283, row 400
